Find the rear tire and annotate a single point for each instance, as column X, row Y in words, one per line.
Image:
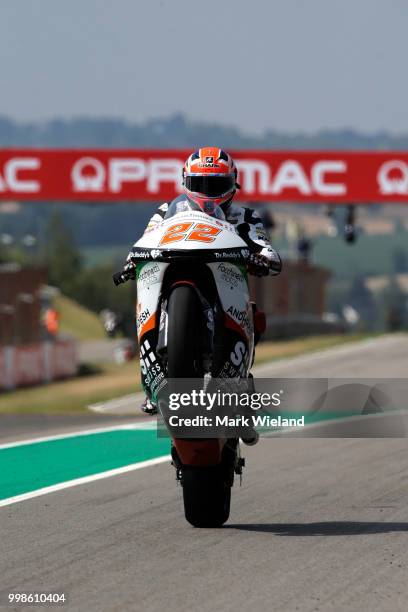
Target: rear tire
column 207, row 497
column 206, row 489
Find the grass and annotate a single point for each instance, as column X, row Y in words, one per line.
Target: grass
column 106, row 381
column 281, row 349
column 78, row 321
column 69, row 396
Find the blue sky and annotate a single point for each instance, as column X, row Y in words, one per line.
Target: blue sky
column 256, row 64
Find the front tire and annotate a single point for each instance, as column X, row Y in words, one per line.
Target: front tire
column 206, row 489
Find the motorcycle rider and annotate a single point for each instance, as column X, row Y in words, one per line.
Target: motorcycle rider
column 209, row 184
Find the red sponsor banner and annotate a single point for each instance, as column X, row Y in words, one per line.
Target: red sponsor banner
column 3, row 373
column 37, row 363
column 64, row 359
column 28, row 366
column 155, row 175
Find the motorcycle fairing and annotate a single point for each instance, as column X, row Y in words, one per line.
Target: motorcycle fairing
column 233, row 292
column 201, row 240
column 149, row 283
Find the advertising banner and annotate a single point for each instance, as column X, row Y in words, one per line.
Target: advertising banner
column 109, row 175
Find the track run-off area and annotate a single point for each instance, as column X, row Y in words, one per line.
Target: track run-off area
column 318, row 524
column 35, row 467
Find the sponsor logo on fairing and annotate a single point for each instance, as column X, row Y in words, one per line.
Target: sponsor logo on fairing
column 241, row 316
column 148, row 276
column 142, row 317
column 140, row 255
column 237, row 355
column 228, row 255
column 230, row 275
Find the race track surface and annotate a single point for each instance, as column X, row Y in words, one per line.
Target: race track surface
column 319, row 524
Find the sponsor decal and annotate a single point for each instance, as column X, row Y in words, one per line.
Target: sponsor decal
column 393, row 178
column 148, row 275
column 237, row 363
column 18, row 175
column 153, row 375
column 140, row 255
column 230, row 275
column 241, row 316
column 155, row 175
column 208, row 162
column 155, row 253
column 147, row 357
column 237, row 355
column 88, row 174
column 142, row 317
column 226, row 255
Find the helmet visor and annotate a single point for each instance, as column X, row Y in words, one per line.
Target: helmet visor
column 210, row 185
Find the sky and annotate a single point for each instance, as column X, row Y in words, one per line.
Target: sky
column 289, row 65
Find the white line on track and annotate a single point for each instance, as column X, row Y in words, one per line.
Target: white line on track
column 150, row 424
column 117, row 402
column 84, row 480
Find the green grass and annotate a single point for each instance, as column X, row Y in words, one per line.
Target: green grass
column 69, row 396
column 109, row 380
column 78, row 321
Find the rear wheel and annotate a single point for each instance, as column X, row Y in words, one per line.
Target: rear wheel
column 206, row 489
column 206, row 495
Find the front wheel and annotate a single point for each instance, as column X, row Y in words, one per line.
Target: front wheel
column 206, row 488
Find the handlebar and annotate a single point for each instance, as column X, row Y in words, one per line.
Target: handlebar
column 122, row 277
column 129, row 273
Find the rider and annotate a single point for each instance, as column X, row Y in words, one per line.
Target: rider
column 209, row 182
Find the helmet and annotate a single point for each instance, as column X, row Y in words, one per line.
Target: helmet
column 210, row 178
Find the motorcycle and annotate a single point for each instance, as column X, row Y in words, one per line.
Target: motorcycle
column 194, row 320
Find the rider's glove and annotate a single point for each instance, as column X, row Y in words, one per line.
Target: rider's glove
column 130, row 268
column 258, row 265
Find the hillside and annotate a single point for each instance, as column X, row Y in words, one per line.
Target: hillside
column 177, row 131
column 78, row 321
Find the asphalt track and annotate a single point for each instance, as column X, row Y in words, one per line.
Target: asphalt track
column 319, row 524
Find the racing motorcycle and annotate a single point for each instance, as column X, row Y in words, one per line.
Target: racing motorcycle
column 194, row 321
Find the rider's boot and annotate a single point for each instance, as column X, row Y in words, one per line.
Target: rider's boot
column 149, row 407
column 253, row 437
